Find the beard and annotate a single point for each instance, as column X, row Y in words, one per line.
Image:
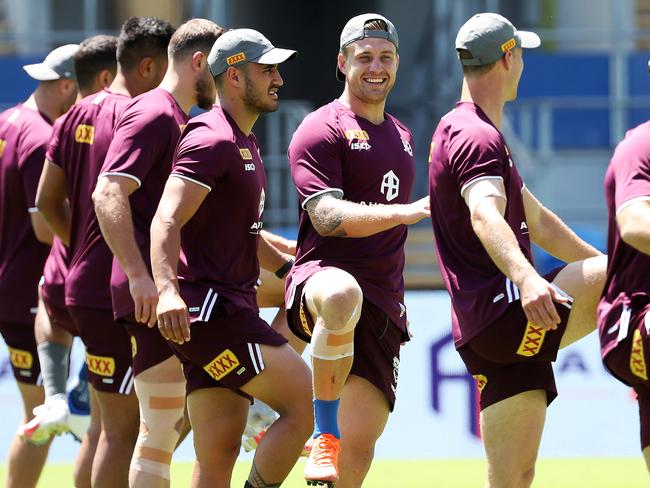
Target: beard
column 255, row 101
column 205, row 91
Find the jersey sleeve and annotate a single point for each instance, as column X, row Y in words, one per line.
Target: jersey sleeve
column 54, row 146
column 315, row 160
column 473, row 154
column 632, row 174
column 202, row 158
column 31, row 168
column 134, row 149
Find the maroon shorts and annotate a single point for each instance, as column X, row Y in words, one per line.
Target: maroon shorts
column 629, row 362
column 148, row 347
column 108, row 349
column 54, row 301
column 377, row 342
column 511, row 355
column 225, row 352
column 22, row 351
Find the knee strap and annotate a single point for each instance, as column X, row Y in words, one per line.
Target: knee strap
column 162, row 407
column 332, row 345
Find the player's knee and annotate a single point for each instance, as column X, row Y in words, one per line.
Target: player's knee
column 340, row 306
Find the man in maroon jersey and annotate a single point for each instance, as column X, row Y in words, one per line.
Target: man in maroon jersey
column 25, row 131
column 74, row 162
column 135, row 170
column 95, row 67
column 623, row 311
column 210, row 215
column 352, row 164
column 508, row 321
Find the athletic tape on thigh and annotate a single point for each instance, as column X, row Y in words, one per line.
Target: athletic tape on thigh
column 161, row 413
column 329, row 345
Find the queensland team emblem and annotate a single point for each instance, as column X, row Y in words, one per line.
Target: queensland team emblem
column 390, row 186
column 223, row 364
column 407, row 147
column 100, row 365
column 481, row 381
column 532, row 342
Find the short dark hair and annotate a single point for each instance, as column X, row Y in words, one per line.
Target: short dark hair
column 194, row 35
column 95, row 54
column 142, row 37
column 474, row 70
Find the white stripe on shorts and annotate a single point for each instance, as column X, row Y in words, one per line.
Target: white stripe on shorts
column 205, row 303
column 127, row 382
column 258, row 349
column 253, row 358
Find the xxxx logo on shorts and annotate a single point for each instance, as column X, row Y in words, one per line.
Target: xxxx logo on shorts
column 84, row 134
column 100, row 365
column 3, row 144
column 134, row 347
column 21, row 359
column 481, row 381
column 637, row 359
column 532, row 341
column 223, row 364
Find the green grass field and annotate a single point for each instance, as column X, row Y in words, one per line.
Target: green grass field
column 551, row 473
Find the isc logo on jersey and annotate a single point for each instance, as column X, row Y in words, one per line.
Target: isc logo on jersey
column 358, row 139
column 246, row 155
column 84, row 134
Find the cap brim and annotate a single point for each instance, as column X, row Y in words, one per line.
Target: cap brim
column 276, row 56
column 529, row 40
column 41, row 72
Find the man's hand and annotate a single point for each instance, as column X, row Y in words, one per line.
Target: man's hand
column 173, row 317
column 416, row 211
column 537, row 300
column 145, row 297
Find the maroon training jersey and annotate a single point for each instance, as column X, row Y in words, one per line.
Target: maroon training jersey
column 219, row 243
column 627, row 180
column 79, row 148
column 142, row 149
column 335, row 150
column 24, row 134
column 466, row 147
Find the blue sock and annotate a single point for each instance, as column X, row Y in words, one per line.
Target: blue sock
column 326, row 418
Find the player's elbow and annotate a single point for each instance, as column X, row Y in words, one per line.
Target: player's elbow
column 101, row 194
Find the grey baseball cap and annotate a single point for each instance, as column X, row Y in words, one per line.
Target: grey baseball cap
column 354, row 31
column 240, row 46
column 489, row 36
column 58, row 64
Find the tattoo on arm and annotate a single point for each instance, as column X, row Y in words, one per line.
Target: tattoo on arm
column 326, row 221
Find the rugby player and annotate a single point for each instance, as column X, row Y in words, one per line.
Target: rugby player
column 76, row 160
column 25, row 131
column 508, row 322
column 352, row 164
column 210, row 217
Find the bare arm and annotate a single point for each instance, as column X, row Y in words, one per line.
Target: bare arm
column 179, row 202
column 113, row 210
column 332, row 216
column 634, row 225
column 537, row 295
column 51, row 201
column 286, row 246
column 551, row 234
column 270, row 257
